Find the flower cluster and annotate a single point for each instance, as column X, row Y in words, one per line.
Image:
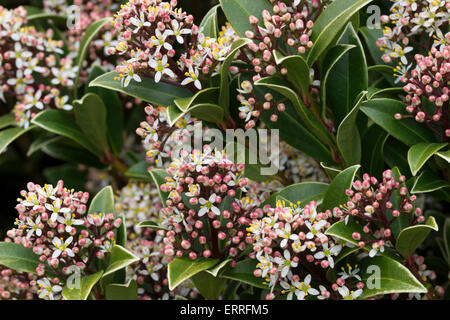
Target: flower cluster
column 428, row 92
column 411, row 25
column 139, row 202
column 378, row 204
column 286, row 237
column 15, row 285
column 32, row 74
column 53, row 222
column 200, row 218
column 163, row 43
column 159, row 138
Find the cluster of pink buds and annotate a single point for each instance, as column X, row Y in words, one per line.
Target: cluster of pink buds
column 372, row 202
column 53, row 222
column 159, row 138
column 287, row 237
column 15, row 285
column 32, row 74
column 428, row 85
column 163, row 43
column 201, row 222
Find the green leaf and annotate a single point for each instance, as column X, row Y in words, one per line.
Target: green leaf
column 122, row 291
column 150, row 224
column 372, row 157
column 335, row 194
column 419, row 154
column 446, row 239
column 148, row 90
column 215, row 271
column 395, row 154
column 114, row 110
column 243, row 272
column 7, row 136
column 224, row 96
column 209, row 25
column 304, row 192
column 86, row 285
column 103, row 202
column 427, row 181
column 61, row 123
column 181, row 269
column 237, row 13
column 280, row 86
column 344, row 231
column 139, row 171
column 348, row 77
column 411, row 237
column 383, row 92
column 120, row 258
column 408, row 131
column 15, row 256
column 89, row 35
column 7, row 120
column 208, row 285
column 393, row 277
column 329, row 24
column 348, row 138
column 331, row 172
column 371, row 36
column 159, row 178
column 90, row 115
column 332, row 57
column 298, row 70
column 46, row 16
column 444, row 155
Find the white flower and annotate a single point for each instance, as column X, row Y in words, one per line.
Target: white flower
column 20, row 55
column 315, row 228
column 328, row 253
column 192, row 76
column 352, row 273
column 32, row 65
column 347, row 295
column 61, row 103
column 55, row 208
column 161, row 67
column 177, row 31
column 305, row 288
column 152, row 270
column 33, row 225
column 61, row 247
column 33, row 100
column 127, row 74
column 285, row 233
column 141, row 22
column 69, row 220
column 19, row 82
column 47, row 291
column 159, row 40
column 375, row 249
column 208, row 205
column 285, row 263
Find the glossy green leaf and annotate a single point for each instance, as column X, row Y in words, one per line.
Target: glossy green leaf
column 298, row 70
column 331, row 172
column 237, row 13
column 119, row 259
column 61, row 123
column 219, row 267
column 7, row 136
column 7, row 120
column 150, row 224
column 15, row 256
column 446, row 239
column 408, row 131
column 444, row 155
column 419, row 154
column 208, row 285
column 90, row 115
column 411, row 237
column 208, row 112
column 304, row 192
column 348, row 137
column 148, row 90
column 370, row 38
column 393, row 277
column 86, row 285
column 122, row 291
column 329, row 24
column 103, row 202
column 372, row 157
column 88, row 36
column 224, row 96
column 348, row 77
column 344, row 230
column 335, row 194
column 243, row 272
column 427, row 181
column 181, row 269
column 209, row 25
column 159, row 178
column 139, row 171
